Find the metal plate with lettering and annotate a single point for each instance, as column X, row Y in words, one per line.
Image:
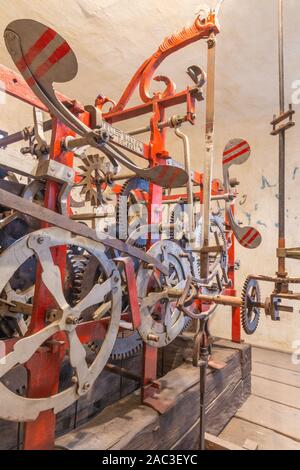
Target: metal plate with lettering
column 124, row 140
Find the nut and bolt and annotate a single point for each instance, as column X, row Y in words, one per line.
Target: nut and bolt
column 52, row 315
column 86, row 387
column 153, row 338
column 72, row 320
column 211, row 42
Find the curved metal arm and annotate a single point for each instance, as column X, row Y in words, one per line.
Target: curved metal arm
column 200, row 29
column 187, row 164
column 237, row 152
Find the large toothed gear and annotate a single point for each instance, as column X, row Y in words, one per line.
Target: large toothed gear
column 128, row 343
column 161, row 319
column 130, row 214
column 250, row 311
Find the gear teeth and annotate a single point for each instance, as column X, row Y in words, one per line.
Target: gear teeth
column 78, row 263
column 126, row 355
column 91, row 163
column 250, row 327
column 130, row 185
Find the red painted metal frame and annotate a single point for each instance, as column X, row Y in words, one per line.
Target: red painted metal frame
column 236, row 311
column 129, row 270
column 44, row 368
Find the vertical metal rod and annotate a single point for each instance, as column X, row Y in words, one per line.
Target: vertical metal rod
column 190, row 188
column 204, row 356
column 281, row 199
column 209, row 150
column 281, row 57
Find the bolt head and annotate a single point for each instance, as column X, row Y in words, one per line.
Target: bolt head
column 40, row 240
column 86, row 387
column 153, row 338
column 71, row 320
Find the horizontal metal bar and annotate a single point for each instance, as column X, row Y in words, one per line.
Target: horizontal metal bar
column 162, row 125
column 282, row 117
column 283, row 128
column 90, row 216
column 221, row 300
column 122, row 372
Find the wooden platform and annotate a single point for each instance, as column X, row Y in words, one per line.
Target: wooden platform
column 271, row 415
column 129, row 425
column 108, row 389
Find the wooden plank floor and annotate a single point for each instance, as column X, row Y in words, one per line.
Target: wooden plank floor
column 271, row 415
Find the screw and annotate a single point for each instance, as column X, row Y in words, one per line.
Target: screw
column 71, row 320
column 211, row 43
column 116, row 279
column 86, row 387
column 10, row 35
column 51, row 316
column 40, row 240
column 153, row 338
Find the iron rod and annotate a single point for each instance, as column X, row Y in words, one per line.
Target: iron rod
column 190, row 187
column 281, row 169
column 162, row 125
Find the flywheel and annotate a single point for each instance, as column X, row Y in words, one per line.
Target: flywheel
column 65, row 319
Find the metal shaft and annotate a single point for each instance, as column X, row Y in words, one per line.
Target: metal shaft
column 190, row 194
column 204, row 356
column 209, row 151
column 281, row 199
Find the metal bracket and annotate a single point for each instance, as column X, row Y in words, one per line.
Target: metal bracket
column 293, row 253
column 199, row 77
column 153, row 399
column 284, row 127
column 54, row 171
column 32, row 168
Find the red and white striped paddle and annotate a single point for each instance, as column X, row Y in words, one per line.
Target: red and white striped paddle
column 237, row 152
column 44, row 57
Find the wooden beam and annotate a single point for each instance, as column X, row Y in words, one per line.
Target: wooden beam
column 217, row 443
